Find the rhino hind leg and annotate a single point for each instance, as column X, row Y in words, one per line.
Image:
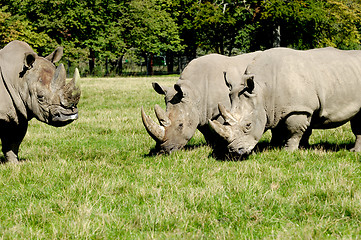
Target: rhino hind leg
column 297, row 126
column 304, row 143
column 356, row 129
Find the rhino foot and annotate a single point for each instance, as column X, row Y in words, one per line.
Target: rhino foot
column 11, row 157
column 355, row 149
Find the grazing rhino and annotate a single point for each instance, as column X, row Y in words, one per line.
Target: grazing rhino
column 193, row 100
column 31, row 86
column 292, row 92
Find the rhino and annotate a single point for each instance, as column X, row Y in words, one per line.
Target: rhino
column 193, row 100
column 292, row 92
column 31, row 86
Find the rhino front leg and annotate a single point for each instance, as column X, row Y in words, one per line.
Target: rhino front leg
column 356, row 129
column 296, row 126
column 278, row 136
column 11, row 139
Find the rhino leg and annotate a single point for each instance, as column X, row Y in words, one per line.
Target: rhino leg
column 356, row 129
column 207, row 134
column 278, row 138
column 304, row 143
column 11, row 139
column 296, row 127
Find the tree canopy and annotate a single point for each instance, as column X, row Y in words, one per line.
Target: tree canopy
column 108, row 29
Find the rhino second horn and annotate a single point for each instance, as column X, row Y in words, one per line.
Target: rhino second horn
column 228, row 117
column 58, row 81
column 222, row 130
column 154, row 130
column 72, row 90
column 162, row 116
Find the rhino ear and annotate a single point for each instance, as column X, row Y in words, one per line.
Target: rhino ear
column 229, row 85
column 159, row 89
column 187, row 88
column 249, row 83
column 180, row 90
column 56, row 55
column 29, row 59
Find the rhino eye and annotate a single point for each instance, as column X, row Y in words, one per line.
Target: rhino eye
column 180, row 126
column 248, row 127
column 40, row 98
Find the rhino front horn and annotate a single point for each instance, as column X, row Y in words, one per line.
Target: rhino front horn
column 154, row 130
column 222, row 130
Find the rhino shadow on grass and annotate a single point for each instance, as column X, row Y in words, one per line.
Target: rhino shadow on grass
column 156, row 150
column 222, row 154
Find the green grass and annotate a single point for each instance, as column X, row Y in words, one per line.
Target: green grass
column 95, row 179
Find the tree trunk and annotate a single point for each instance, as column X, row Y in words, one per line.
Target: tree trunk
column 106, row 67
column 150, row 64
column 119, row 67
column 91, row 62
column 170, row 62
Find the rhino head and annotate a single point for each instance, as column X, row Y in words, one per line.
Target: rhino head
column 180, row 120
column 245, row 122
column 49, row 98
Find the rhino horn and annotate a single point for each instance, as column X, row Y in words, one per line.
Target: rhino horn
column 154, row 130
column 58, row 81
column 162, row 116
column 222, row 130
column 72, row 90
column 228, row 117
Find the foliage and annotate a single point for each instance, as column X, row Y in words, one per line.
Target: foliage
column 308, row 24
column 96, row 179
column 109, row 29
column 151, row 29
column 18, row 28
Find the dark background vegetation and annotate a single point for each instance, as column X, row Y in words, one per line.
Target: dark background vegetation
column 114, row 37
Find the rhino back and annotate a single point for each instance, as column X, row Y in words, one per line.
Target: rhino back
column 207, row 75
column 324, row 83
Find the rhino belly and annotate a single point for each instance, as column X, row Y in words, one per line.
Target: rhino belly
column 335, row 116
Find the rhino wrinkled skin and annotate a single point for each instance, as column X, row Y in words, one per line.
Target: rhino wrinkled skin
column 194, row 99
column 31, row 86
column 292, row 92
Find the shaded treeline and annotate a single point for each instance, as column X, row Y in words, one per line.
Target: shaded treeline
column 169, row 33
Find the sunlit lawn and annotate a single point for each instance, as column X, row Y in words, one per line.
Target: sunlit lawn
column 95, row 179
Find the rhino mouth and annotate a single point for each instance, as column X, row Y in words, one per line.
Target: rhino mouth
column 61, row 118
column 168, row 148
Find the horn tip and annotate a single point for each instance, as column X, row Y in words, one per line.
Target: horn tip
column 76, row 74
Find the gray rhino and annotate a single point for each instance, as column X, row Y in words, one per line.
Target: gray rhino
column 292, row 92
column 193, row 100
column 31, row 86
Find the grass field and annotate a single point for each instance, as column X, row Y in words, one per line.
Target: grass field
column 95, row 179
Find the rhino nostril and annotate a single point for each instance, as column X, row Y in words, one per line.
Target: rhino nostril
column 241, row 151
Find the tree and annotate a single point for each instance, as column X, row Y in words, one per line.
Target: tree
column 19, row 28
column 151, row 29
column 306, row 24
